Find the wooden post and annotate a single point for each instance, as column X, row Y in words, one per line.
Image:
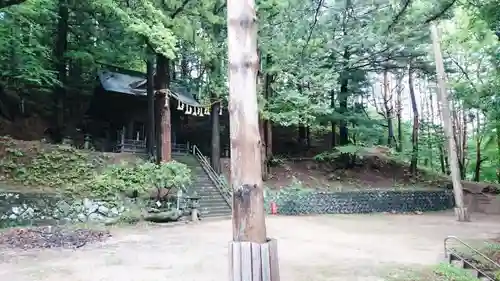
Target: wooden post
column 460, row 210
column 253, row 257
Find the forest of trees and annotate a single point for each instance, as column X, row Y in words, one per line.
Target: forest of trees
column 363, row 70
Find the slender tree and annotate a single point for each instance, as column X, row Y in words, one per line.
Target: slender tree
column 460, row 210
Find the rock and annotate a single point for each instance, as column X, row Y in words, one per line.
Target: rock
column 103, row 210
column 114, row 212
column 13, row 216
column 154, row 210
column 16, row 210
column 63, row 206
column 29, row 213
column 90, row 206
column 82, row 217
column 168, row 216
column 418, row 212
column 95, row 217
column 111, row 221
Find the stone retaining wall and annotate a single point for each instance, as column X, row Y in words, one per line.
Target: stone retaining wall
column 40, row 208
column 312, row 202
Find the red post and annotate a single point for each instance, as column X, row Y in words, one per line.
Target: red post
column 274, row 208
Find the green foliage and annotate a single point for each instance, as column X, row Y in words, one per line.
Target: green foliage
column 141, row 178
column 442, row 272
column 54, row 166
column 67, row 169
column 450, row 272
column 352, row 150
column 322, row 69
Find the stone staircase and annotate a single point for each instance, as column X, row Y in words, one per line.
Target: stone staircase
column 457, row 259
column 212, row 202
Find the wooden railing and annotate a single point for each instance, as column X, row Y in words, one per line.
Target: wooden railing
column 131, row 146
column 218, row 180
column 180, row 148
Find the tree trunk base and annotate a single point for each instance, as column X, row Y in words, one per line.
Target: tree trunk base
column 462, row 214
column 250, row 261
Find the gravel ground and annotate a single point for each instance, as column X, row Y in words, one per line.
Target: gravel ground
column 311, row 248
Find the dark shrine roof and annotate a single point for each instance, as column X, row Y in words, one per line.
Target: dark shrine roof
column 133, row 83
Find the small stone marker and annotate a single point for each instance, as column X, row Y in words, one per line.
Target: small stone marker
column 194, row 215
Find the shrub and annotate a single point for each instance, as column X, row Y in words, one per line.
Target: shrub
column 140, row 178
column 53, row 166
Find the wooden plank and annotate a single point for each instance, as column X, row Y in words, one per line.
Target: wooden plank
column 231, row 265
column 273, row 262
column 250, row 261
column 246, row 261
column 264, row 257
column 256, row 263
column 235, row 256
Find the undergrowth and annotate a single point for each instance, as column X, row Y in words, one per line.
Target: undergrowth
column 48, row 166
column 441, row 272
column 82, row 172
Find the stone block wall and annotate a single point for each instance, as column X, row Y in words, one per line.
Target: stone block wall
column 399, row 201
column 41, row 208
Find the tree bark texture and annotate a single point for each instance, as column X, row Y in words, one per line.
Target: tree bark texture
column 214, row 119
column 60, row 65
column 388, row 110
column 246, row 178
column 151, row 106
column 416, row 124
column 399, row 112
column 460, row 210
column 163, row 128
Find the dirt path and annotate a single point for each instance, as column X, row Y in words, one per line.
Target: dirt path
column 320, row 248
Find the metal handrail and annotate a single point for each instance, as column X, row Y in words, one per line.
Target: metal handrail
column 216, row 179
column 468, row 246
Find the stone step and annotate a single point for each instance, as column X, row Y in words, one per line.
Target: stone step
column 207, row 192
column 213, row 203
column 206, row 182
column 204, row 186
column 217, row 215
column 215, row 212
column 207, row 198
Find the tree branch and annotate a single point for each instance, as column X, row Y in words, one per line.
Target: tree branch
column 406, row 4
column 316, row 13
column 179, row 9
column 8, row 3
column 440, row 13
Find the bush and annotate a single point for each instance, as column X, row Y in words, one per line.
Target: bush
column 53, row 166
column 140, row 178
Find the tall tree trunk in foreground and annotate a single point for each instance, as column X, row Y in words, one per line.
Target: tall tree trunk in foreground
column 249, row 225
column 460, row 210
column 498, row 148
column 246, row 178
